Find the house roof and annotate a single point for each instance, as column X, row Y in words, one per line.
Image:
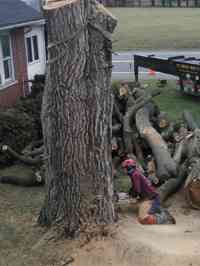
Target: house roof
column 16, row 13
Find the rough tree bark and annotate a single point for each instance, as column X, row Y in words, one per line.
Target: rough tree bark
column 189, row 120
column 192, row 184
column 77, row 113
column 165, row 165
column 26, row 159
column 129, row 119
column 170, row 186
column 186, row 157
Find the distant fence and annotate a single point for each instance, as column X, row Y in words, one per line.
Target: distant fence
column 151, row 3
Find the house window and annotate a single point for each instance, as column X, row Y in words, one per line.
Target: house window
column 6, row 61
column 32, row 48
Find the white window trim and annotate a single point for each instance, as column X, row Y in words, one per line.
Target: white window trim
column 6, row 82
column 32, row 49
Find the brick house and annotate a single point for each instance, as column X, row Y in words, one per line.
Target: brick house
column 22, row 49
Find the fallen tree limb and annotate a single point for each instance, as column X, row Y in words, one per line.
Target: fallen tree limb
column 128, row 130
column 22, row 175
column 189, row 120
column 35, row 152
column 192, row 183
column 170, row 186
column 22, row 158
column 165, row 165
column 179, row 152
column 31, row 146
column 192, row 192
column 25, row 181
column 131, row 112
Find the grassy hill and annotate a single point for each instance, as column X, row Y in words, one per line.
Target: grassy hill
column 156, row 28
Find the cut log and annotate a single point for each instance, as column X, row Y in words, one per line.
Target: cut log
column 24, row 181
column 179, row 152
column 151, row 170
column 32, row 146
column 129, row 118
column 22, row 158
column 192, row 184
column 190, row 121
column 165, row 165
column 36, row 152
column 21, row 175
column 193, row 146
column 169, row 187
column 163, row 120
column 192, row 192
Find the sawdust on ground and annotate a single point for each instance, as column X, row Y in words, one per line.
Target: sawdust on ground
column 157, row 245
column 22, row 243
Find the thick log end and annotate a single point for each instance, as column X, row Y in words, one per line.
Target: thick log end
column 192, row 194
column 104, row 10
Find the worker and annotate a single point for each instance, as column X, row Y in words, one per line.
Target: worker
column 145, row 191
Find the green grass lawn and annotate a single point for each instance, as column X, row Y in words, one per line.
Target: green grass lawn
column 173, row 102
column 156, row 28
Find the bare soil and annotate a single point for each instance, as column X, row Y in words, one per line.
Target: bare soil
column 23, row 243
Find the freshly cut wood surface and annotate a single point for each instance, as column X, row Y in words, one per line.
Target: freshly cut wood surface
column 192, row 192
column 53, row 4
column 165, row 165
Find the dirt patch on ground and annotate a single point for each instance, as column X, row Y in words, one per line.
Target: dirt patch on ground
column 24, row 243
column 163, row 245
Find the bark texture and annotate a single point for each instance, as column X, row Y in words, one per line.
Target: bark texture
column 165, row 165
column 170, row 186
column 26, row 159
column 77, row 114
column 129, row 129
column 190, row 121
column 192, row 184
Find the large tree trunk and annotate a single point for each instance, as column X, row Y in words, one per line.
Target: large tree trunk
column 76, row 115
column 165, row 165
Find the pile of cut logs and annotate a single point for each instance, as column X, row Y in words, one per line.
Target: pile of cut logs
column 167, row 152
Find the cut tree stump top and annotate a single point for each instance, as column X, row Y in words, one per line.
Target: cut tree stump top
column 54, row 4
